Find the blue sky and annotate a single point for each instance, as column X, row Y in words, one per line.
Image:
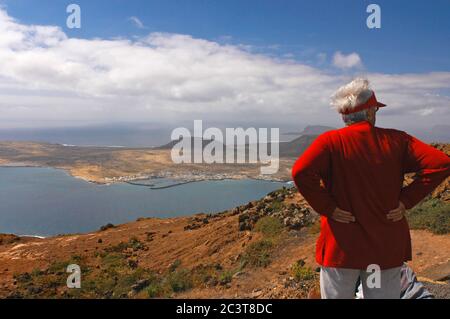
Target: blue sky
column 414, row 36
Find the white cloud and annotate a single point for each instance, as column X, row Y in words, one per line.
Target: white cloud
column 46, row 77
column 425, row 111
column 349, row 61
column 137, row 22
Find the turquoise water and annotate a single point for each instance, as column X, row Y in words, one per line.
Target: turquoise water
column 46, row 201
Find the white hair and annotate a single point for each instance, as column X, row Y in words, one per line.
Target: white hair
column 351, row 95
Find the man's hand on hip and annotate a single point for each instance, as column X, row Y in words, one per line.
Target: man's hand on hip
column 398, row 213
column 342, row 216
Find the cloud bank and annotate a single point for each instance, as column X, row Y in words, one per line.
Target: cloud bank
column 48, row 79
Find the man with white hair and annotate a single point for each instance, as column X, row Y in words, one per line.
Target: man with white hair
column 353, row 177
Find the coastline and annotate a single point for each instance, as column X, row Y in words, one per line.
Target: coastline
column 110, row 165
column 171, row 180
column 133, row 179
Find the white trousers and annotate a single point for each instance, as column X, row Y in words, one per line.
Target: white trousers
column 341, row 283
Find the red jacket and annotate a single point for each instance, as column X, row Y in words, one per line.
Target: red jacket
column 362, row 169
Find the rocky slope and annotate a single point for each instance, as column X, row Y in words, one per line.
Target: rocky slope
column 264, row 249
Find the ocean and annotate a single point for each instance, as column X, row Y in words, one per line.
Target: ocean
column 45, row 201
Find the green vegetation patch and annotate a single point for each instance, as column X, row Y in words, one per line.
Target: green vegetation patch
column 276, row 205
column 432, row 214
column 302, row 273
column 269, row 226
column 258, row 254
column 110, row 275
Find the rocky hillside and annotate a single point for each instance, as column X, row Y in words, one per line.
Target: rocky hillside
column 264, row 249
column 443, row 191
column 160, row 257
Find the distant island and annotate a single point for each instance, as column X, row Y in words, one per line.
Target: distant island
column 113, row 164
column 311, row 130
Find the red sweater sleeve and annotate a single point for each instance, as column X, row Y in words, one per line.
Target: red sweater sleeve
column 312, row 166
column 431, row 166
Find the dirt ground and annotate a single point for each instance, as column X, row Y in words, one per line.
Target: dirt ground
column 218, row 241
